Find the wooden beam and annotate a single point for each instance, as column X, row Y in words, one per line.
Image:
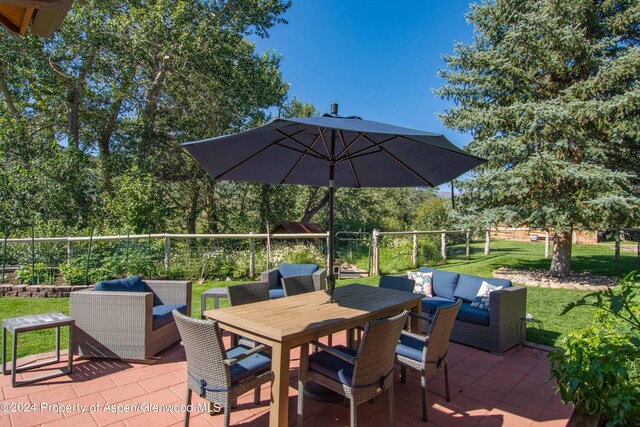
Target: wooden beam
column 26, row 20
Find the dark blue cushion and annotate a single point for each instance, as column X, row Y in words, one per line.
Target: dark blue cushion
column 162, row 314
column 130, row 284
column 410, row 347
column 430, row 304
column 276, row 293
column 397, row 283
column 254, row 364
column 332, row 366
column 474, row 315
column 288, row 270
column 444, row 282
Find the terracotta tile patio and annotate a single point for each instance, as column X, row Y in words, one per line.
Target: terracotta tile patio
column 486, row 390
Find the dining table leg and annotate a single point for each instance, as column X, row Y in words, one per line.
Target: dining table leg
column 279, row 410
column 416, row 323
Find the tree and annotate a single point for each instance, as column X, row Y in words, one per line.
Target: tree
column 549, row 92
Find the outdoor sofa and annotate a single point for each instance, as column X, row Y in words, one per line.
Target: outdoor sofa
column 496, row 329
column 274, row 277
column 128, row 318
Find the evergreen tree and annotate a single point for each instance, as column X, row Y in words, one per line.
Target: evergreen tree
column 549, row 91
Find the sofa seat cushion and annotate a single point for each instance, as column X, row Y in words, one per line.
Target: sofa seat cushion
column 276, row 293
column 162, row 314
column 288, row 270
column 473, row 315
column 332, row 366
column 410, row 347
column 431, row 304
column 444, row 282
column 252, row 365
column 129, row 284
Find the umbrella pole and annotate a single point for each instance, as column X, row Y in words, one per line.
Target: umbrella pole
column 331, row 283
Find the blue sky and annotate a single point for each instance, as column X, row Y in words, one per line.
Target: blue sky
column 376, row 59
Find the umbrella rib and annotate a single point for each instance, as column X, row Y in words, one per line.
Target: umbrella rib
column 413, row 172
column 297, row 150
column 346, row 149
column 362, row 150
column 326, row 147
column 299, row 161
column 353, row 170
column 262, row 150
column 290, row 137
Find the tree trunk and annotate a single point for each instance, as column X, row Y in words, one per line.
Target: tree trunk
column 193, row 209
column 561, row 261
column 212, row 219
column 311, row 209
column 4, row 90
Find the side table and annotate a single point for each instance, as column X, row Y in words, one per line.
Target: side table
column 37, row 322
column 216, row 294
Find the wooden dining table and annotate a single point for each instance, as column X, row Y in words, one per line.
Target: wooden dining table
column 286, row 323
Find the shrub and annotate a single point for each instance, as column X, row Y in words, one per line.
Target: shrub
column 41, row 274
column 598, row 370
column 73, row 275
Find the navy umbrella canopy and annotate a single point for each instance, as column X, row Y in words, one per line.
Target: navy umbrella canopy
column 333, row 151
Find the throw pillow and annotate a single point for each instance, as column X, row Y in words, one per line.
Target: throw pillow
column 423, row 281
column 484, row 295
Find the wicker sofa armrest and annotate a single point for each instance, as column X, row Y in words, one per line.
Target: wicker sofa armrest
column 320, row 279
column 171, row 292
column 271, row 277
column 111, row 310
column 508, row 304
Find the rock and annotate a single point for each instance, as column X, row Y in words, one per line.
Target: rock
column 24, row 294
column 532, row 283
column 39, row 294
column 32, row 288
column 63, row 289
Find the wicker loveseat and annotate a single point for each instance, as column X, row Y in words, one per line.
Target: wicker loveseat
column 495, row 330
column 128, row 320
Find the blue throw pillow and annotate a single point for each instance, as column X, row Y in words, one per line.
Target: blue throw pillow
column 444, row 282
column 130, row 284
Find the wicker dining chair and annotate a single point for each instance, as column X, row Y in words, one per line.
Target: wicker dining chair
column 428, row 353
column 397, row 283
column 247, row 293
column 296, row 285
column 358, row 376
column 219, row 376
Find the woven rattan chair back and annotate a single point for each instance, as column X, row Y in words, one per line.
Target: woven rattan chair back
column 376, row 354
column 397, row 283
column 205, row 353
column 295, row 285
column 439, row 334
column 248, row 293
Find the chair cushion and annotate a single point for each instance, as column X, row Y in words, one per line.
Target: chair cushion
column 162, row 314
column 444, row 282
column 254, row 364
column 473, row 315
column 332, row 366
column 467, row 287
column 410, row 347
column 431, row 304
column 276, row 293
column 288, row 270
column 129, row 284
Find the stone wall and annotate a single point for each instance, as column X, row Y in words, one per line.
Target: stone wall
column 38, row 291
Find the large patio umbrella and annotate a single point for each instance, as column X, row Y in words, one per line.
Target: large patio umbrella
column 40, row 17
column 333, row 151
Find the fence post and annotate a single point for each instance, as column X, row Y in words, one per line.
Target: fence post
column 252, row 259
column 376, row 254
column 86, row 270
column 167, row 254
column 69, row 250
column 443, row 245
column 617, row 247
column 468, row 245
column 4, row 253
column 414, row 259
column 547, row 242
column 487, row 243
